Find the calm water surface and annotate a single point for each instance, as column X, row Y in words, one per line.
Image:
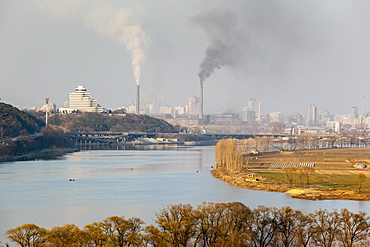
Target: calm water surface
column 125, row 183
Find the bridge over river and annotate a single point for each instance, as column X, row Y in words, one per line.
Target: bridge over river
column 220, row 136
column 106, row 138
column 125, row 138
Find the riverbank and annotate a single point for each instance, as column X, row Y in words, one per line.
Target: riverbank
column 42, row 154
column 334, row 174
column 257, row 182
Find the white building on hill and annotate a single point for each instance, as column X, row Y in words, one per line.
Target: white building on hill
column 81, row 100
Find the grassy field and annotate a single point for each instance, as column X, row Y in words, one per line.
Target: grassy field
column 334, row 181
column 333, row 168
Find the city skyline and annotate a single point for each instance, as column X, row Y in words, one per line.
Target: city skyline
column 151, row 104
column 287, row 54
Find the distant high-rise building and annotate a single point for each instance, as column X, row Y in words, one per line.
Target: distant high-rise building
column 161, row 102
column 193, row 104
column 324, row 116
column 312, row 117
column 255, row 106
column 81, row 100
column 274, row 116
column 354, row 112
column 296, row 118
column 149, row 108
column 248, row 115
column 150, row 104
column 166, row 110
column 179, row 110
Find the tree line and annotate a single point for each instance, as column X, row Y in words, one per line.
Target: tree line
column 300, row 142
column 208, row 224
column 229, row 152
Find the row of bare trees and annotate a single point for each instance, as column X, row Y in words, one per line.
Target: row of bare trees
column 229, row 155
column 229, row 152
column 312, row 141
column 209, row 224
column 299, row 175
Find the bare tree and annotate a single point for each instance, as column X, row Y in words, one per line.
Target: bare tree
column 291, row 174
column 27, row 235
column 263, row 226
column 178, row 223
column 288, row 226
column 325, row 226
column 305, row 173
column 360, row 178
column 222, row 224
column 123, row 232
column 353, row 227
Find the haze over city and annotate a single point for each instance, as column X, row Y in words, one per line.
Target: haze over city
column 287, row 54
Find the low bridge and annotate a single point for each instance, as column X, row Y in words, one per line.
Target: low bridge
column 243, row 136
column 106, row 138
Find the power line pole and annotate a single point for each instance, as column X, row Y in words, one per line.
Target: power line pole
column 46, row 111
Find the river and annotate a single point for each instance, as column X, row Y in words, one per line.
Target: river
column 130, row 183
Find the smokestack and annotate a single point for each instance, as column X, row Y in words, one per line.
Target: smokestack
column 137, row 99
column 363, row 105
column 201, row 101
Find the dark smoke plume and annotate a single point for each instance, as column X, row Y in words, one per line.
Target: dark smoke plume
column 221, row 27
column 215, row 57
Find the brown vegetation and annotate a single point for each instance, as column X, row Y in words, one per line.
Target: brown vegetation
column 209, row 224
column 334, row 175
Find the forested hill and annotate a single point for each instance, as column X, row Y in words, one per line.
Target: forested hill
column 112, row 122
column 14, row 122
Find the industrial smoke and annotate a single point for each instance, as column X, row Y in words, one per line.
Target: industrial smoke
column 120, row 26
column 117, row 24
column 224, row 43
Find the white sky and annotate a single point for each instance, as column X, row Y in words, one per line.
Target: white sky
column 287, row 54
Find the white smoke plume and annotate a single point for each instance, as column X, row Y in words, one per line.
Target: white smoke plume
column 117, row 24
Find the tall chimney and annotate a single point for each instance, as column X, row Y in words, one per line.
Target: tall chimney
column 137, row 99
column 363, row 105
column 201, row 101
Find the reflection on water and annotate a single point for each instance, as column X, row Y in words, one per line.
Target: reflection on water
column 131, row 182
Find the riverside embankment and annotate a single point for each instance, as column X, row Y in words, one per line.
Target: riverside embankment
column 243, row 180
column 41, row 154
column 333, row 177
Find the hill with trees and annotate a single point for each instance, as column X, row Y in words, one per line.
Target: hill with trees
column 14, row 122
column 112, row 122
column 23, row 136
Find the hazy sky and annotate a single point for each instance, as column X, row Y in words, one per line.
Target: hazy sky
column 287, row 54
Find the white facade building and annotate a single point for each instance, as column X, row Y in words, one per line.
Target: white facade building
column 51, row 107
column 193, row 105
column 312, row 116
column 81, row 100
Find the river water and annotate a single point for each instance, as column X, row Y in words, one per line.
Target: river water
column 130, row 183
